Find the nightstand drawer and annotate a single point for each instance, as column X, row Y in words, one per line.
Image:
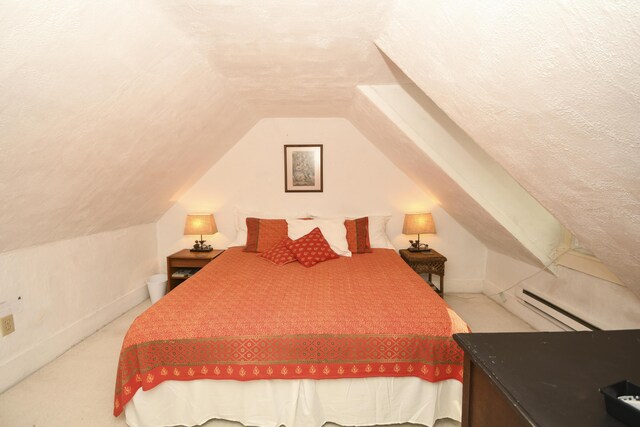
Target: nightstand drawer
column 189, row 262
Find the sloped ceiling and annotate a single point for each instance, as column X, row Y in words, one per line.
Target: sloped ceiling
column 106, row 112
column 551, row 90
column 110, row 110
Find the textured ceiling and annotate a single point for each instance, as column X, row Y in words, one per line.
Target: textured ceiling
column 551, row 90
column 105, row 114
column 289, row 58
column 109, row 110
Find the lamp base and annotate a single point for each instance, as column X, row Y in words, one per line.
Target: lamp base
column 416, row 246
column 199, row 246
column 412, row 249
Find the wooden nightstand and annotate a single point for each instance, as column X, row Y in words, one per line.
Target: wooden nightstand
column 427, row 263
column 187, row 259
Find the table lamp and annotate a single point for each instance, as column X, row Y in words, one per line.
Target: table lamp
column 200, row 224
column 418, row 223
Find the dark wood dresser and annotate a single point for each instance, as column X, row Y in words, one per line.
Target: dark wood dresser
column 545, row 379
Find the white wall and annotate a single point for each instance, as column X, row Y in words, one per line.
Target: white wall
column 68, row 290
column 604, row 304
column 358, row 180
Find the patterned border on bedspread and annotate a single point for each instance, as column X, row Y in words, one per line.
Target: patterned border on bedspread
column 146, row 363
column 430, row 358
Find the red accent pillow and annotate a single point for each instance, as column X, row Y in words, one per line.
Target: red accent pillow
column 263, row 234
column 311, row 248
column 280, row 253
column 358, row 235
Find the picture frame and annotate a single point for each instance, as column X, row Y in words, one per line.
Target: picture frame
column 303, row 168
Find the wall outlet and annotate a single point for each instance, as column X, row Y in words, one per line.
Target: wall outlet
column 6, row 325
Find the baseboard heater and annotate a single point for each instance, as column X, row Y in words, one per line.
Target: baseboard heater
column 557, row 314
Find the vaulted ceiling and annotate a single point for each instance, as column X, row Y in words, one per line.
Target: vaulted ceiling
column 288, row 58
column 98, row 100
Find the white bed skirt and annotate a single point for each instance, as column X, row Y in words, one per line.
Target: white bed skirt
column 297, row 403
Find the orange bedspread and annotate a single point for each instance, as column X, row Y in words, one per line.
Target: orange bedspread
column 243, row 318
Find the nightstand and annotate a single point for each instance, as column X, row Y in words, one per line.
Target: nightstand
column 185, row 259
column 427, row 263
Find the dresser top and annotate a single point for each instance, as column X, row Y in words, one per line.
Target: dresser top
column 553, row 378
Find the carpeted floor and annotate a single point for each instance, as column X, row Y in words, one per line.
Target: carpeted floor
column 77, row 388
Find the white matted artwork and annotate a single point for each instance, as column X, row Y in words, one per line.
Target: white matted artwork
column 302, row 168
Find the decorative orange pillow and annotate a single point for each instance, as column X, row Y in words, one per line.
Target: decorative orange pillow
column 263, row 234
column 311, row 248
column 280, row 253
column 358, row 235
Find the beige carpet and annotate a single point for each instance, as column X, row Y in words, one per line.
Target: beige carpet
column 77, row 388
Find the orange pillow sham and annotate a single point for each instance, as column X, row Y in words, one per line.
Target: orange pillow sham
column 264, row 234
column 358, row 235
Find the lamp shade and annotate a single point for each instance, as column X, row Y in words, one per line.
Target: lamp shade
column 199, row 224
column 419, row 223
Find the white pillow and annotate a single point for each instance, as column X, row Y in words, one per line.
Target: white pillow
column 332, row 229
column 378, row 232
column 241, row 223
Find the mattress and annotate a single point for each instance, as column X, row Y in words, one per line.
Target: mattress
column 242, row 318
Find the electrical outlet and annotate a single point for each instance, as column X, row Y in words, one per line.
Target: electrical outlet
column 7, row 325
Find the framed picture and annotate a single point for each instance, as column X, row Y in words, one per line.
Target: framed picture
column 303, row 168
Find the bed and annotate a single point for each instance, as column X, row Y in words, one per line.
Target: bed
column 266, row 345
